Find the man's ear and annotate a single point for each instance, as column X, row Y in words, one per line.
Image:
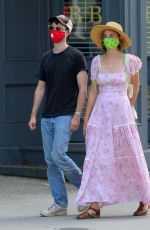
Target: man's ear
column 68, row 33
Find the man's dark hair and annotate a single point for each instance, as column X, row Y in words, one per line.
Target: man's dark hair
column 58, row 22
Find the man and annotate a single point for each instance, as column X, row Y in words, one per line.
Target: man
column 63, row 80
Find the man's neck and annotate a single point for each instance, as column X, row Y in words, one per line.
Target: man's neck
column 59, row 47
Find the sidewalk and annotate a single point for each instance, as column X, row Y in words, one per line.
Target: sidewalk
column 21, row 199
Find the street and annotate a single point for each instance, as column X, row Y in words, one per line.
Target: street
column 21, row 200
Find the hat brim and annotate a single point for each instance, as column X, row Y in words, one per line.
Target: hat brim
column 96, row 34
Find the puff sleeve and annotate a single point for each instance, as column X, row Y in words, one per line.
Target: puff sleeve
column 135, row 64
column 94, row 68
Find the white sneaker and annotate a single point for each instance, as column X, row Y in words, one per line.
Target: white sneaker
column 54, row 210
column 82, row 208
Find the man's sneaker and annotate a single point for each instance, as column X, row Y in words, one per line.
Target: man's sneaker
column 54, row 210
column 82, row 208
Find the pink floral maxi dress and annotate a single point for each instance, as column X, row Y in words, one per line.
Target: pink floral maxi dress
column 114, row 169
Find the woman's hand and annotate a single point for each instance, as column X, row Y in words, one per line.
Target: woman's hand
column 132, row 101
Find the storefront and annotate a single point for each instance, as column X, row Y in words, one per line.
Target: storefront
column 23, row 25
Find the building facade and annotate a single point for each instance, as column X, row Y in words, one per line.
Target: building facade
column 24, row 38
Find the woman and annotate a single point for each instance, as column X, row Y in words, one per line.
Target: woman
column 115, row 169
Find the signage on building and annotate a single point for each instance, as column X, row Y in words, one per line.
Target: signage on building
column 84, row 14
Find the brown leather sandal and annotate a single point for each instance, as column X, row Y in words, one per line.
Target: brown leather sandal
column 140, row 211
column 89, row 213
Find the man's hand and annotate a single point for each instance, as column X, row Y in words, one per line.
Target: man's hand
column 32, row 123
column 74, row 125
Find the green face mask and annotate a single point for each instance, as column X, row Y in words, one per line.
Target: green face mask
column 111, row 43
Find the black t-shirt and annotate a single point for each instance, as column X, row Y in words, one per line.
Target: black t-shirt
column 59, row 71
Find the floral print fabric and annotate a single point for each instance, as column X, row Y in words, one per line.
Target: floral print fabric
column 114, row 169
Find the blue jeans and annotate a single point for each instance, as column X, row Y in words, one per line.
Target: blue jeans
column 56, row 135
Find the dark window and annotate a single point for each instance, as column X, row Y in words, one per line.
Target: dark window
column 84, row 14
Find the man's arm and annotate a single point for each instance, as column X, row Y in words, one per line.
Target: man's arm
column 38, row 97
column 82, row 78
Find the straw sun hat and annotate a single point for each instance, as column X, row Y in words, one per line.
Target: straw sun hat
column 97, row 30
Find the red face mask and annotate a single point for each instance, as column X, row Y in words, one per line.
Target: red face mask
column 56, row 36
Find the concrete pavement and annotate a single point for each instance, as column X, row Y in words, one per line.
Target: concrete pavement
column 21, row 199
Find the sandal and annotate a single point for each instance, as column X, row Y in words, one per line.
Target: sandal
column 89, row 213
column 140, row 211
